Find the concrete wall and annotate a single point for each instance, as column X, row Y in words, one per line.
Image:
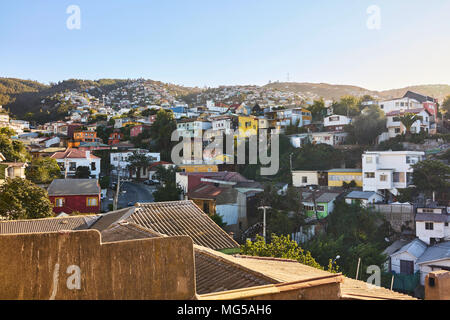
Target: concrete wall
column 75, row 265
column 397, row 215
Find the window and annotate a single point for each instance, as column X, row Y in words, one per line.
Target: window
column 321, row 208
column 59, row 202
column 369, row 175
column 304, row 179
column 369, row 159
column 446, row 224
column 92, row 202
column 383, row 177
column 93, row 168
column 72, row 166
column 429, row 226
column 397, row 130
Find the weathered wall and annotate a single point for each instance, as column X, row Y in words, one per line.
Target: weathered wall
column 397, row 215
column 441, row 288
column 45, row 266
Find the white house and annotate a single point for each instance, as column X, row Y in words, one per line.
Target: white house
column 302, row 178
column 330, row 138
column 405, row 259
column 399, row 103
column 432, row 224
column 363, row 197
column 71, row 159
column 193, row 127
column 388, row 170
column 119, row 160
column 395, row 127
column 336, row 122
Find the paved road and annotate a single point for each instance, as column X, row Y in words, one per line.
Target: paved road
column 130, row 192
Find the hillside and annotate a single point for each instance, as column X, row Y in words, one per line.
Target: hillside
column 334, row 92
column 322, row 90
column 438, row 91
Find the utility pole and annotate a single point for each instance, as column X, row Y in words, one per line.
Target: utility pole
column 264, row 208
column 116, row 196
column 357, row 270
column 290, row 160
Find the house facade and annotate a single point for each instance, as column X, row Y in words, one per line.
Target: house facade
column 70, row 159
column 388, row 170
column 75, row 195
column 432, row 225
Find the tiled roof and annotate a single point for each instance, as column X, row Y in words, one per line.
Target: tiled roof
column 47, row 225
column 216, row 272
column 78, row 187
column 205, row 191
column 71, row 153
column 185, row 218
column 289, row 271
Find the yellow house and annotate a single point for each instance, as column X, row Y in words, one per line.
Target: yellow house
column 248, row 125
column 199, row 168
column 337, row 177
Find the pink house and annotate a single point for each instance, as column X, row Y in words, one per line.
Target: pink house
column 137, row 130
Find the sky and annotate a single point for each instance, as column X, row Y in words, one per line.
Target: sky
column 232, row 42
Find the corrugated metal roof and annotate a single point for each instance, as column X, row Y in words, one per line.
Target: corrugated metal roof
column 66, row 187
column 437, row 252
column 360, row 194
column 416, row 248
column 433, row 217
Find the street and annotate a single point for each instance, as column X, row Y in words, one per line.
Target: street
column 129, row 192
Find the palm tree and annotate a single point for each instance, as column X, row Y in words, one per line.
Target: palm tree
column 408, row 119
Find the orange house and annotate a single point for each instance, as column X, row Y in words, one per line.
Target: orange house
column 115, row 137
column 83, row 136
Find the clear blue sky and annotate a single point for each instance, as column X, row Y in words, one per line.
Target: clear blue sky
column 213, row 42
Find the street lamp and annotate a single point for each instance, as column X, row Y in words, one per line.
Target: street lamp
column 264, row 208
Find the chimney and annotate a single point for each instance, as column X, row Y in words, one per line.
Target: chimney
column 437, row 285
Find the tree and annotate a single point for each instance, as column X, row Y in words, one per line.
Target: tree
column 318, row 110
column 168, row 190
column 408, row 120
column 366, row 127
column 13, row 150
column 431, row 175
column 83, row 172
column 137, row 161
column 347, row 106
column 352, row 232
column 43, row 170
column 7, row 131
column 22, row 199
column 161, row 133
column 446, row 106
column 282, row 247
column 316, row 157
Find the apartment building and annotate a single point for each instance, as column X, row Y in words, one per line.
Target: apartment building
column 388, row 170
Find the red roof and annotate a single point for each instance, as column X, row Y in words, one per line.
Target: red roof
column 72, row 154
column 205, row 191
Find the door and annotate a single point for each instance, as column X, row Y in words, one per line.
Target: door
column 406, row 267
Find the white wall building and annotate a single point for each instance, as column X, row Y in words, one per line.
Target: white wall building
column 432, row 224
column 71, row 159
column 120, row 159
column 336, row 122
column 395, row 127
column 388, row 170
column 304, row 178
column 400, row 103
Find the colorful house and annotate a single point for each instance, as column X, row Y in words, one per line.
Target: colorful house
column 83, row 136
column 319, row 204
column 337, row 177
column 137, row 130
column 115, row 137
column 248, row 126
column 75, row 195
column 199, row 168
